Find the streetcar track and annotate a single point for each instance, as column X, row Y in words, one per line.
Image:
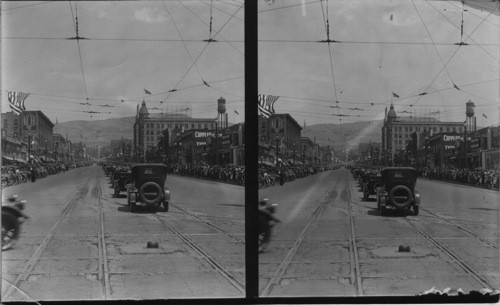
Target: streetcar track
column 233, row 236
column 481, row 238
column 103, row 258
column 82, row 189
column 454, row 257
column 280, row 271
column 212, row 262
column 352, row 238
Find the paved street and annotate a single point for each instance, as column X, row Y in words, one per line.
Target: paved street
column 84, row 242
column 332, row 243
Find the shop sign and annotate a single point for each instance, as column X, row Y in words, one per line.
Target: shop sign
column 475, row 144
column 203, row 134
column 450, row 141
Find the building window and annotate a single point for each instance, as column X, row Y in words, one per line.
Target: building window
column 192, row 126
column 454, row 129
column 440, row 129
column 158, row 126
column 199, row 126
column 205, row 126
column 406, row 129
column 447, row 129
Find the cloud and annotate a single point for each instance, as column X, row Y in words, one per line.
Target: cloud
column 150, row 15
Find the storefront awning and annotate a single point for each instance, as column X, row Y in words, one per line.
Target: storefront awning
column 8, row 158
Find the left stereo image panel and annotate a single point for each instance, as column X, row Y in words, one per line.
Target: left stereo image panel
column 123, row 134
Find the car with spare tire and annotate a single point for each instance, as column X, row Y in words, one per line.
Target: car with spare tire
column 148, row 186
column 398, row 190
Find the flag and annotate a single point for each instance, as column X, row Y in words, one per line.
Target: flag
column 16, row 101
column 266, row 104
column 485, row 116
column 236, row 112
column 146, row 91
column 395, row 95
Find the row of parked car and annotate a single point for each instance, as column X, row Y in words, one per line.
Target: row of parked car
column 144, row 184
column 393, row 187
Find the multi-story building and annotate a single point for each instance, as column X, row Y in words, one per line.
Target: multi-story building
column 396, row 131
column 280, row 136
column 60, row 148
column 148, row 128
column 32, row 127
column 13, row 150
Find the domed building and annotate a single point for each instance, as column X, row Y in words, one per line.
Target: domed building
column 149, row 128
column 397, row 130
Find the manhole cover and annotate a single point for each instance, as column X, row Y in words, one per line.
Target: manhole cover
column 393, row 251
column 141, row 248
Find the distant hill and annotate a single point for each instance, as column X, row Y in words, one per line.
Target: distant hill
column 340, row 136
column 97, row 131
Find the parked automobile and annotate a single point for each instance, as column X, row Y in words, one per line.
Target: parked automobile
column 121, row 179
column 370, row 184
column 398, row 190
column 148, row 186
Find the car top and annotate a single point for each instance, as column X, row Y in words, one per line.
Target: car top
column 148, row 164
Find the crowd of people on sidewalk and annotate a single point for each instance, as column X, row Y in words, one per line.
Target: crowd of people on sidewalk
column 477, row 177
column 226, row 173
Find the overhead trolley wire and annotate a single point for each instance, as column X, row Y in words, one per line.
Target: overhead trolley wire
column 24, row 6
column 224, row 39
column 432, row 40
column 199, row 55
column 183, row 43
column 77, row 37
column 452, row 23
column 451, row 57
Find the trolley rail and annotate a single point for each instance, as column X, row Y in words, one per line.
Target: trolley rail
column 481, row 238
column 455, row 258
column 280, row 271
column 233, row 236
column 103, row 258
column 353, row 249
column 82, row 189
column 212, row 262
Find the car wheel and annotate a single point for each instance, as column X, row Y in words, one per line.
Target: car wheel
column 147, row 189
column 415, row 210
column 165, row 206
column 400, row 196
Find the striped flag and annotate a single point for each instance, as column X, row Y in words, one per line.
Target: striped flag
column 266, row 104
column 146, row 91
column 395, row 95
column 485, row 116
column 237, row 112
column 16, row 101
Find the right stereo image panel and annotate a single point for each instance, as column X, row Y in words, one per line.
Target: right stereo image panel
column 378, row 147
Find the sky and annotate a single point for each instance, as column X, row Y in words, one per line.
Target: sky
column 405, row 47
column 383, row 47
column 131, row 46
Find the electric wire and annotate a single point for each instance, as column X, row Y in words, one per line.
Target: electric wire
column 224, row 39
column 452, row 23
